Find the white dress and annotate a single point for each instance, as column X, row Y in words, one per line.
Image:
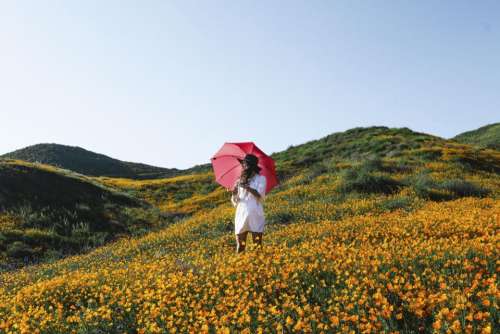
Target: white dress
column 249, row 210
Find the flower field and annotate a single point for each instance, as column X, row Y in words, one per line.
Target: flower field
column 431, row 270
column 397, row 245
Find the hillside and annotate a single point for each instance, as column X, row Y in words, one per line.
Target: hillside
column 371, row 230
column 89, row 163
column 46, row 212
column 487, row 136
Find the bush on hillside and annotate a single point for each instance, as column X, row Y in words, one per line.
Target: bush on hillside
column 427, row 188
column 20, row 250
column 396, row 203
column 461, row 188
column 3, row 242
column 280, row 218
column 363, row 181
column 428, row 154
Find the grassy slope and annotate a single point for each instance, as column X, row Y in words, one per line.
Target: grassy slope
column 48, row 212
column 486, row 136
column 350, row 243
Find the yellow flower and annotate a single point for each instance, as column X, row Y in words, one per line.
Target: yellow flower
column 335, row 320
column 486, row 330
column 436, row 325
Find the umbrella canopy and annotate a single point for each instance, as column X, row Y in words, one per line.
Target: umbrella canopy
column 227, row 168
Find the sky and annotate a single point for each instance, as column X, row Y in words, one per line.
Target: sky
column 167, row 83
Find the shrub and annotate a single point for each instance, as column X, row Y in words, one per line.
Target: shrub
column 427, row 188
column 318, row 169
column 396, row 203
column 362, row 181
column 422, row 184
column 280, row 218
column 52, row 255
column 181, row 195
column 461, row 188
column 36, row 237
column 372, row 165
column 3, row 241
column 13, row 235
column 208, row 188
column 19, row 250
column 428, row 154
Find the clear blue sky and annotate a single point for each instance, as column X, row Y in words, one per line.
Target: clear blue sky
column 168, row 82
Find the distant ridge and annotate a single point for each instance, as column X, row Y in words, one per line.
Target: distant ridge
column 487, row 136
column 354, row 143
column 89, row 163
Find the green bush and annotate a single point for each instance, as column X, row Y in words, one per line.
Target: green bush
column 318, row 169
column 362, row 181
column 461, row 188
column 19, row 250
column 208, row 188
column 373, row 164
column 3, row 242
column 13, row 235
column 280, row 218
column 47, row 239
column 427, row 188
column 396, row 203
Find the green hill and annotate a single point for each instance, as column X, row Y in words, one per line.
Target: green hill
column 48, row 212
column 370, row 230
column 89, row 163
column 365, row 159
column 487, row 136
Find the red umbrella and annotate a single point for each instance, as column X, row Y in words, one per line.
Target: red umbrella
column 227, row 168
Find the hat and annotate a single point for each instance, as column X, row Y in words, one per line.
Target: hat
column 250, row 159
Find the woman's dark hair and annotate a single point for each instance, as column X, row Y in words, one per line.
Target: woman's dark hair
column 247, row 173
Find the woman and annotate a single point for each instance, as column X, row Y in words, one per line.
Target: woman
column 248, row 194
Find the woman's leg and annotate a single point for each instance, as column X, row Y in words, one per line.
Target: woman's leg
column 257, row 238
column 241, row 240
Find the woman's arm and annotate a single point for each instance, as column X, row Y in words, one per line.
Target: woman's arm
column 254, row 192
column 234, row 196
column 234, row 200
column 260, row 192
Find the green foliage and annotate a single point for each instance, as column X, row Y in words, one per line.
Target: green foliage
column 207, row 188
column 428, row 154
column 20, row 250
column 427, row 188
column 280, row 218
column 357, row 144
column 362, row 179
column 396, row 203
column 487, row 136
column 57, row 213
column 476, row 160
column 461, row 188
column 317, row 169
column 422, row 184
column 3, row 242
